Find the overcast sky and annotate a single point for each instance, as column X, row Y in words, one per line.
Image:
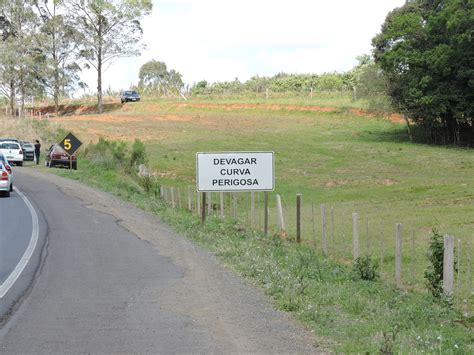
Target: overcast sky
column 217, row 40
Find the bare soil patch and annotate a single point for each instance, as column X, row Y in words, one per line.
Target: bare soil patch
column 393, row 117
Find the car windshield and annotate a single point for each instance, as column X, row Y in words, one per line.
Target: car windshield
column 28, row 145
column 9, row 146
column 131, row 93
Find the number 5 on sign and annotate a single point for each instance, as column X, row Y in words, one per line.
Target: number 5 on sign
column 70, row 143
column 67, row 144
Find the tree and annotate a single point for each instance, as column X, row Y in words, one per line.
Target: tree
column 57, row 40
column 108, row 30
column 425, row 49
column 155, row 76
column 20, row 58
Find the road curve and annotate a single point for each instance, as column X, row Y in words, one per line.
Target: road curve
column 113, row 279
column 15, row 233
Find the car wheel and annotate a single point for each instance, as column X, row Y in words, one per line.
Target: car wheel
column 7, row 193
column 50, row 165
column 20, row 163
column 74, row 166
column 11, row 187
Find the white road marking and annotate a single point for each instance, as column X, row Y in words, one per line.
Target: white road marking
column 5, row 287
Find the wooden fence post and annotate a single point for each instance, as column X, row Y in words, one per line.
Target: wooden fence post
column 265, row 213
column 209, row 202
column 412, row 257
column 221, row 203
column 448, row 265
column 252, row 209
column 382, row 248
column 234, row 205
column 178, row 197
column 281, row 220
column 172, row 198
column 203, row 209
column 468, row 271
column 324, row 236
column 298, row 218
column 198, row 202
column 333, row 232
column 367, row 241
column 459, row 281
column 313, row 223
column 398, row 253
column 190, row 198
column 355, row 235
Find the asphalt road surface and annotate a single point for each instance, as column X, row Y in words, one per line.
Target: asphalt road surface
column 15, row 233
column 109, row 278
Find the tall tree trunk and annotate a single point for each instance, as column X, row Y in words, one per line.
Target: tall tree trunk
column 23, row 93
column 100, row 104
column 56, row 89
column 12, row 96
column 56, row 75
column 407, row 121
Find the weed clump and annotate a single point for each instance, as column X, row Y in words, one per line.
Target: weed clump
column 365, row 268
column 434, row 272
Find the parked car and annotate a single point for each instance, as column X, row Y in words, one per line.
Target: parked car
column 8, row 167
column 56, row 156
column 28, row 150
column 6, row 185
column 12, row 152
column 129, row 95
column 3, row 139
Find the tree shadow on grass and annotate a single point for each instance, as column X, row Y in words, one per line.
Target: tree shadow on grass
column 395, row 135
column 400, row 135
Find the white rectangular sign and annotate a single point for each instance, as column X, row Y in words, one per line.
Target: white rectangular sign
column 235, row 171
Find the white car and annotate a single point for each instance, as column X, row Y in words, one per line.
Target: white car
column 6, row 184
column 12, row 151
column 8, row 166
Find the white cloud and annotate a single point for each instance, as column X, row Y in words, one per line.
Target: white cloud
column 223, row 39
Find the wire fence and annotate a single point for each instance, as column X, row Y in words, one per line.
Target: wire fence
column 338, row 234
column 24, row 113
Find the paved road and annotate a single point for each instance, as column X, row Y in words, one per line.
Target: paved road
column 15, row 233
column 112, row 278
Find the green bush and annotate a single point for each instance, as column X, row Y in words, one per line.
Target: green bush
column 108, row 154
column 434, row 273
column 138, row 155
column 365, row 268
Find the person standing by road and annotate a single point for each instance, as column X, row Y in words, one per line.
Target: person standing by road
column 37, row 151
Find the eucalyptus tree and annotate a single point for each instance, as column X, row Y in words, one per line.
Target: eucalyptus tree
column 20, row 58
column 57, row 38
column 108, row 30
column 154, row 76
